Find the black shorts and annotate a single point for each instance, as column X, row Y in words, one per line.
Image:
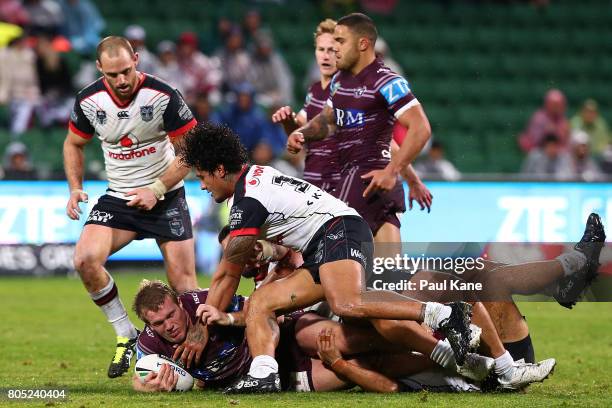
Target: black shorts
column 169, row 220
column 346, row 237
column 378, row 208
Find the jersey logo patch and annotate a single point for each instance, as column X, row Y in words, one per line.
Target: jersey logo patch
column 334, row 87
column 359, row 92
column 101, row 117
column 146, row 113
column 176, row 227
column 129, row 141
column 349, row 118
column 395, row 90
column 123, row 114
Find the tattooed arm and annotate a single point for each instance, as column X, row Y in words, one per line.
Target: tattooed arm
column 226, row 278
column 318, row 128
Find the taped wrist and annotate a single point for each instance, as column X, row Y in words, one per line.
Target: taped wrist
column 267, row 251
column 158, row 188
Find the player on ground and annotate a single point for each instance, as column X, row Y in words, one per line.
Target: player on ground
column 137, row 118
column 366, row 98
column 335, row 241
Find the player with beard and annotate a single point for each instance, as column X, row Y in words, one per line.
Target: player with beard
column 137, row 118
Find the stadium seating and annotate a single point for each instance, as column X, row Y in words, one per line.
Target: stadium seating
column 480, row 68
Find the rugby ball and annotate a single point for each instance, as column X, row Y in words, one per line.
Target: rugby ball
column 153, row 362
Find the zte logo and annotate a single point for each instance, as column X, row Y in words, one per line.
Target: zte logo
column 395, row 90
column 349, row 118
column 123, row 115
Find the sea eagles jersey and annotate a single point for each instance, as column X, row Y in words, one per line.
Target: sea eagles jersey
column 226, row 355
column 365, row 108
column 279, row 208
column 135, row 135
column 321, row 167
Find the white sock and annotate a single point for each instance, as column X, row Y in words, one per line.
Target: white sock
column 504, row 364
column 572, row 261
column 435, row 313
column 110, row 304
column 443, row 355
column 262, row 366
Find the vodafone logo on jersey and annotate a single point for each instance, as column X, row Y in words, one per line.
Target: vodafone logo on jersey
column 129, row 141
column 134, row 154
column 256, row 174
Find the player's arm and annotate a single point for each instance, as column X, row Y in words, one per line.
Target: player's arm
column 367, row 379
column 419, row 132
column 178, row 120
column 318, row 128
column 212, row 315
column 80, row 132
column 289, row 119
column 164, row 380
column 417, row 190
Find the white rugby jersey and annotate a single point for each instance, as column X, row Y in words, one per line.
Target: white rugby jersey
column 280, row 208
column 135, row 135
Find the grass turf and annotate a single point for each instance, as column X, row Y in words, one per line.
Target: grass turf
column 53, row 336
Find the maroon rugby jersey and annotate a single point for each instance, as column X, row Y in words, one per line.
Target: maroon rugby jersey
column 321, row 167
column 366, row 107
column 226, row 355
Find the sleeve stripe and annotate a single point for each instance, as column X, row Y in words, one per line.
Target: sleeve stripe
column 183, row 129
column 79, row 132
column 244, row 231
column 407, row 106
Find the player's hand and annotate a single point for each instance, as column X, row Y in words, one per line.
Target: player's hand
column 295, row 142
column 164, row 380
column 144, row 198
column 326, row 347
column 73, row 210
column 382, row 180
column 190, row 351
column 284, row 114
column 421, row 194
column 211, row 315
column 256, row 255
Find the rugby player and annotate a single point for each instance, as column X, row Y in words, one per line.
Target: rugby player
column 335, row 242
column 137, row 118
column 321, row 166
column 366, row 98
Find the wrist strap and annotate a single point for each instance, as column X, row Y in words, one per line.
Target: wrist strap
column 231, row 319
column 158, row 188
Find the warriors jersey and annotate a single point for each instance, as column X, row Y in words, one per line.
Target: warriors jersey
column 135, row 134
column 281, row 209
column 321, row 167
column 365, row 109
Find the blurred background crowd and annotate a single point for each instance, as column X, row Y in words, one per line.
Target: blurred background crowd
column 513, row 89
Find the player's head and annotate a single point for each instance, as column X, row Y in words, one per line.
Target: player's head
column 216, row 155
column 355, row 35
column 158, row 306
column 117, row 61
column 325, row 47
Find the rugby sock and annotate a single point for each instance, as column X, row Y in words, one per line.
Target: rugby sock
column 504, row 364
column 262, row 366
column 110, row 304
column 443, row 355
column 572, row 261
column 435, row 313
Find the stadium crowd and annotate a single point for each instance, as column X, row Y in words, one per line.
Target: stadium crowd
column 237, row 76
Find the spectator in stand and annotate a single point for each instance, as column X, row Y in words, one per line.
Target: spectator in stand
column 54, row 82
column 435, row 165
column 203, row 111
column 550, row 119
column 251, row 26
column 82, row 25
column 590, row 121
column 45, row 16
column 583, row 166
column 200, row 73
column 549, row 162
column 270, row 74
column 17, row 165
column 19, row 84
column 168, row 68
column 246, row 119
column 235, row 60
column 147, row 61
column 13, row 12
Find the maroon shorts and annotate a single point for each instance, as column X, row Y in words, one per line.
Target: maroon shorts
column 294, row 366
column 378, row 208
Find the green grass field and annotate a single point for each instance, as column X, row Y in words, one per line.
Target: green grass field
column 53, row 336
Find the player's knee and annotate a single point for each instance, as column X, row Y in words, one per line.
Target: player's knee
column 85, row 261
column 387, row 328
column 348, row 309
column 259, row 303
